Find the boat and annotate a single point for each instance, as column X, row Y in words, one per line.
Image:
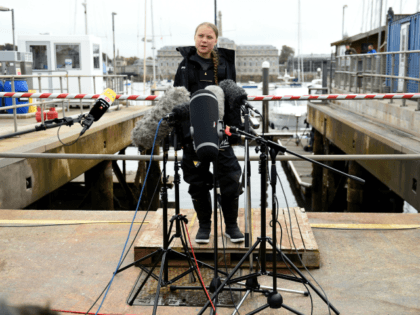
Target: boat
column 290, row 115
column 250, row 85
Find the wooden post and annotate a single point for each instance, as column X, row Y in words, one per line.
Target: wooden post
column 100, row 181
column 318, row 148
column 354, row 189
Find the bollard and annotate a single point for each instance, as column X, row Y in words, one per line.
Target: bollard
column 265, row 72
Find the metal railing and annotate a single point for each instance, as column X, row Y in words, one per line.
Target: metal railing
column 115, row 82
column 116, row 157
column 385, row 72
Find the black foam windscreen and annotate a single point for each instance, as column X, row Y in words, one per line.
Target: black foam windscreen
column 204, row 114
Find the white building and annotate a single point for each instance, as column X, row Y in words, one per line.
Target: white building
column 61, row 55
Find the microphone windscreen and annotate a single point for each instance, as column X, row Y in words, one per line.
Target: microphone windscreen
column 232, row 91
column 217, row 90
column 204, row 115
column 144, row 132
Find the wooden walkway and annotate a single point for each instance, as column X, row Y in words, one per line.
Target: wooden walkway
column 296, row 225
column 299, row 173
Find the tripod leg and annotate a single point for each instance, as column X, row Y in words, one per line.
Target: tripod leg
column 261, row 308
column 241, row 302
column 130, row 302
column 186, row 250
column 291, row 309
column 162, row 268
column 249, row 252
column 287, row 260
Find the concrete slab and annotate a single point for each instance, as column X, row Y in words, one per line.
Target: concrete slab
column 362, row 271
column 106, row 136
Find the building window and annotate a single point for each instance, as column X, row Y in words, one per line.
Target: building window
column 39, row 53
column 96, row 56
column 67, row 56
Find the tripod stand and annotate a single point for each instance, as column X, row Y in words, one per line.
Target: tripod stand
column 162, row 254
column 274, row 299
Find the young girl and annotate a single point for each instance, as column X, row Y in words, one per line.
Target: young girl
column 205, row 65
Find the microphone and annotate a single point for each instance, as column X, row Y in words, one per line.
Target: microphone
column 143, row 133
column 179, row 113
column 102, row 104
column 218, row 91
column 235, row 95
column 205, row 125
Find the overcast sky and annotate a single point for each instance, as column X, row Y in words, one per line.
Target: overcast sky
column 273, row 22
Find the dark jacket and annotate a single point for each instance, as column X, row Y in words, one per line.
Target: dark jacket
column 187, row 76
column 187, row 73
column 350, row 51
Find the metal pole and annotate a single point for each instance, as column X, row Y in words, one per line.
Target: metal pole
column 80, row 91
column 13, row 104
column 380, row 24
column 392, row 74
column 344, row 8
column 324, row 73
column 113, row 37
column 13, row 29
column 42, row 105
column 61, row 91
column 215, row 12
column 265, row 70
column 86, row 24
column 126, row 90
column 404, row 102
column 153, row 42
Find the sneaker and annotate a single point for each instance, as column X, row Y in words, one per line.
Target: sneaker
column 234, row 234
column 203, row 235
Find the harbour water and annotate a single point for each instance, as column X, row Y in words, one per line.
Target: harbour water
column 185, row 200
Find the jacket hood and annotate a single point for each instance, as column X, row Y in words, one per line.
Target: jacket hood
column 188, row 51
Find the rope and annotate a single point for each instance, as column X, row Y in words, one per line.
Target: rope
column 198, row 269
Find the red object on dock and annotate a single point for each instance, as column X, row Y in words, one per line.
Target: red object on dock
column 38, row 114
column 52, row 114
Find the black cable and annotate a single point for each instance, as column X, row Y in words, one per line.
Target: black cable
column 290, row 222
column 128, row 249
column 224, row 256
column 66, row 144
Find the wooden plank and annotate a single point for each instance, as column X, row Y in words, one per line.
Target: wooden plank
column 151, row 237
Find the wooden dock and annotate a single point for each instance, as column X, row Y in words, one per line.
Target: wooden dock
column 296, row 224
column 299, row 173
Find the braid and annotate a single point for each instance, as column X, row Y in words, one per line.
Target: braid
column 215, row 57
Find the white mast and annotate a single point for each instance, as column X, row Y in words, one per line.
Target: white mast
column 153, row 43
column 86, row 25
column 144, row 57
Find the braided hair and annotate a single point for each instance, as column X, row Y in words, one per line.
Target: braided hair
column 215, row 58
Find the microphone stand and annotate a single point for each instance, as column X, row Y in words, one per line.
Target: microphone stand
column 248, row 219
column 274, row 299
column 48, row 124
column 164, row 252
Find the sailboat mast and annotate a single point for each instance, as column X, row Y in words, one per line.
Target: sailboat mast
column 153, row 43
column 144, row 56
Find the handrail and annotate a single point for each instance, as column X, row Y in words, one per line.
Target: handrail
column 353, row 157
column 64, row 75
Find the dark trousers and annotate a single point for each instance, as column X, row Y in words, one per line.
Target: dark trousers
column 201, row 179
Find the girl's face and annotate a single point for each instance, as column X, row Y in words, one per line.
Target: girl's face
column 205, row 39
